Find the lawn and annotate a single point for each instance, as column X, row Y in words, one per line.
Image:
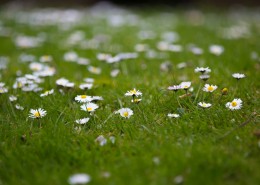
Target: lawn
column 48, row 57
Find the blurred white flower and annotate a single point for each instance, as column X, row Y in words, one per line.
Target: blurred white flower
column 204, row 105
column 82, row 121
column 216, row 49
column 80, row 178
column 170, row 115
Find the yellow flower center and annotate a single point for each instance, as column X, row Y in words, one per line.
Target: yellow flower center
column 186, row 87
column 1, row 90
column 37, row 114
column 133, row 91
column 125, row 114
column 19, row 84
column 83, row 96
column 234, row 104
column 204, row 105
column 89, row 109
column 210, row 88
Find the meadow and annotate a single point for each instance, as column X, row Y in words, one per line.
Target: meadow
column 67, row 74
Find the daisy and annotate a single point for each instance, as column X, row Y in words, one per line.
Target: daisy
column 204, row 77
column 82, row 121
column 202, row 70
column 133, row 93
column 35, row 66
column 125, row 112
column 86, row 86
column 174, row 88
column 89, row 80
column 12, row 98
column 235, row 104
column 216, row 49
column 94, row 70
column 46, row 58
column 83, row 98
column 238, row 76
column 37, row 113
column 114, row 72
column 80, row 178
column 95, row 98
column 3, row 89
column 209, row 88
column 136, row 100
column 204, row 105
column 70, row 56
column 173, row 115
column 101, row 140
column 46, row 93
column 185, row 85
column 89, row 107
column 19, row 107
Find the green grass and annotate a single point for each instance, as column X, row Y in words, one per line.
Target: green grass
column 204, row 146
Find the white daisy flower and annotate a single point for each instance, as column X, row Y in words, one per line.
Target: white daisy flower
column 170, row 115
column 204, row 77
column 95, row 98
column 174, row 88
column 89, row 107
column 133, row 92
column 136, row 100
column 46, row 93
column 114, row 72
column 3, row 89
column 37, row 113
column 209, row 88
column 35, row 66
column 70, row 56
column 125, row 112
column 19, row 107
column 82, row 121
column 89, row 80
column 202, row 70
column 80, row 178
column 94, row 70
column 238, row 76
column 185, row 85
column 46, row 58
column 204, row 105
column 83, row 61
column 216, row 49
column 64, row 83
column 12, row 98
column 101, row 140
column 86, row 86
column 235, row 104
column 182, row 65
column 83, row 98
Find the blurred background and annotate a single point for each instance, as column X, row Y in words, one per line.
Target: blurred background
column 66, row 3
